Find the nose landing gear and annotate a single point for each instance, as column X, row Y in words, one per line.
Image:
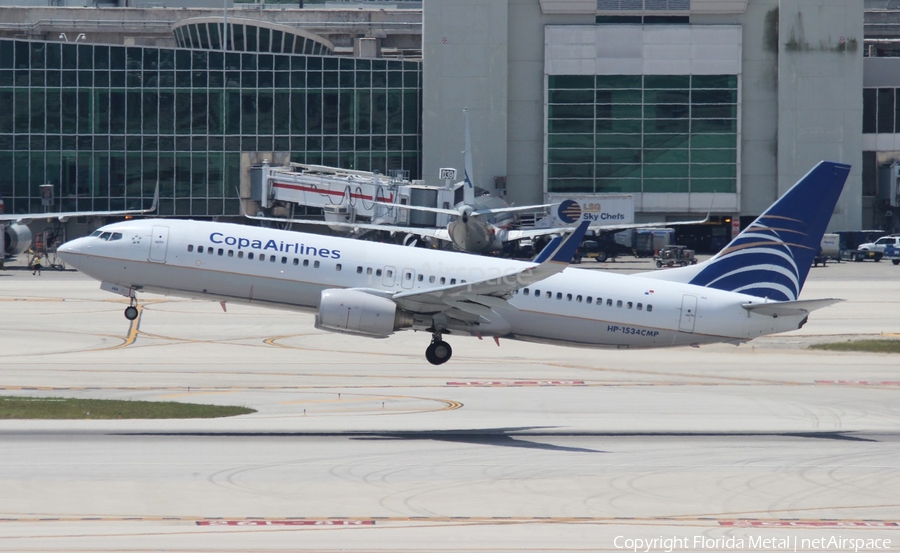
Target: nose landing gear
column 131, row 312
column 439, row 351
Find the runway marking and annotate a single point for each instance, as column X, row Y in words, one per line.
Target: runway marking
column 341, row 522
column 860, row 382
column 133, row 331
column 516, row 383
column 376, row 520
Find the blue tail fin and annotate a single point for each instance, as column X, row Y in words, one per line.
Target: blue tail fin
column 771, row 257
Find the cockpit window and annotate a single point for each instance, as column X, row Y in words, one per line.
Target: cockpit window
column 105, row 236
column 96, row 233
column 115, row 236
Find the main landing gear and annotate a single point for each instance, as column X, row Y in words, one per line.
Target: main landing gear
column 131, row 312
column 439, row 351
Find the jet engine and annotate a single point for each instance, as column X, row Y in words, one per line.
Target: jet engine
column 356, row 312
column 16, row 239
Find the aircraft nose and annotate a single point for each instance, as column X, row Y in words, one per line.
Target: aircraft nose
column 70, row 252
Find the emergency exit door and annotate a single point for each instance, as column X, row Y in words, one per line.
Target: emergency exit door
column 688, row 313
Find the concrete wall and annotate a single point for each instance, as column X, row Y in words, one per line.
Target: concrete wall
column 820, row 82
column 465, row 51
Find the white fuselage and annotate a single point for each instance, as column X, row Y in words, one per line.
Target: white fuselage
column 285, row 269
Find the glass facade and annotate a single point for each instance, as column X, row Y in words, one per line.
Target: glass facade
column 881, row 110
column 106, row 123
column 247, row 37
column 642, row 133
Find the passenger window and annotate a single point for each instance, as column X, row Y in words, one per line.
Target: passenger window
column 577, row 298
column 296, row 261
column 283, row 260
column 390, row 274
column 549, row 295
column 190, row 247
column 306, row 262
column 559, row 295
column 359, row 270
column 249, row 255
column 619, row 303
column 378, row 272
column 640, row 306
column 431, row 279
column 629, row 305
column 230, row 253
column 210, row 250
column 443, row 280
column 588, row 299
column 452, row 281
column 369, row 271
column 221, row 252
column 316, row 265
column 537, row 293
column 199, row 249
column 463, row 281
column 407, row 276
column 568, row 297
column 609, row 303
column 525, row 291
column 649, row 308
column 337, row 267
column 262, row 257
column 421, row 278
column 240, row 255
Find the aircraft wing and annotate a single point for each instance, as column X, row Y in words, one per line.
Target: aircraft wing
column 512, row 235
column 491, row 211
column 25, row 218
column 481, row 296
column 437, row 233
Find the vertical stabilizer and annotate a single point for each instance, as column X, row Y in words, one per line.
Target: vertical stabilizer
column 771, row 258
column 469, row 188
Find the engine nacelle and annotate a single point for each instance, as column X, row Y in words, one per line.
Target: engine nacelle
column 355, row 312
column 16, row 239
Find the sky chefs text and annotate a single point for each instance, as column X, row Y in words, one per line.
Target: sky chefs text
column 280, row 246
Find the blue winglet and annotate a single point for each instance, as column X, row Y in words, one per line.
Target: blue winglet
column 566, row 251
column 548, row 250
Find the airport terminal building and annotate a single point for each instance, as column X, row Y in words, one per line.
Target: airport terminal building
column 105, row 123
column 686, row 104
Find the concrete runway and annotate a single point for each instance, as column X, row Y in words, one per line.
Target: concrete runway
column 361, row 445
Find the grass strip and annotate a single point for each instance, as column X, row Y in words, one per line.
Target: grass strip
column 12, row 407
column 871, row 346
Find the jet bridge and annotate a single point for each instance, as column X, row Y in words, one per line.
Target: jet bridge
column 348, row 196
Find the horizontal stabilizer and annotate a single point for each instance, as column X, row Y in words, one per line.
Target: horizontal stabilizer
column 788, row 308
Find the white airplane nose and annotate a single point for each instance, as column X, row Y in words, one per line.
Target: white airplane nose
column 70, row 252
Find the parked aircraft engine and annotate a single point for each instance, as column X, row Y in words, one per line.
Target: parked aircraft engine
column 355, row 312
column 16, row 239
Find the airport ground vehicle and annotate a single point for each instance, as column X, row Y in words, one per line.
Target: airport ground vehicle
column 672, row 256
column 892, row 253
column 875, row 250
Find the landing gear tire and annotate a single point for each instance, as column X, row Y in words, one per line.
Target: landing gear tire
column 438, row 352
column 131, row 312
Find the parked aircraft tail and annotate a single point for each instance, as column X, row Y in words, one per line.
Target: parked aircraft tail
column 772, row 257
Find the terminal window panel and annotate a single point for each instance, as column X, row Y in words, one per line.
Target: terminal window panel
column 104, row 123
column 642, row 133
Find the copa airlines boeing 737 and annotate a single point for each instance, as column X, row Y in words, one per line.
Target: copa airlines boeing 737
column 747, row 290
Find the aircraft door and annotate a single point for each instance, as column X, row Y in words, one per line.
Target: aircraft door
column 389, row 276
column 688, row 313
column 159, row 243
